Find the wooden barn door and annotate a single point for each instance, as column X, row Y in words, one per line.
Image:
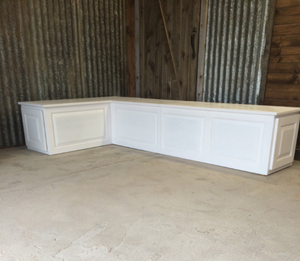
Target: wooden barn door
column 168, row 48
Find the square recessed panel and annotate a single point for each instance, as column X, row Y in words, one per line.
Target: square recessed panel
column 183, row 132
column 78, row 126
column 139, row 127
column 236, row 139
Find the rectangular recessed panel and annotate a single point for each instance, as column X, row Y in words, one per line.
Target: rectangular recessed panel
column 236, row 139
column 78, row 126
column 137, row 126
column 33, row 121
column 183, row 132
column 286, row 141
column 33, row 130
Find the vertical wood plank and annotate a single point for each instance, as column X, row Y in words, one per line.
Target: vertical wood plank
column 151, row 6
column 177, row 32
column 167, row 69
column 142, row 46
column 193, row 62
column 158, row 55
column 137, row 48
column 165, row 85
column 171, row 78
column 185, row 42
column 130, row 47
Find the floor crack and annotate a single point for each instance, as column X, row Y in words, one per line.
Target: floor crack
column 123, row 238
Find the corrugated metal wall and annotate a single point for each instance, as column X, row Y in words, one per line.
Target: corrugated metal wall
column 57, row 49
column 236, row 53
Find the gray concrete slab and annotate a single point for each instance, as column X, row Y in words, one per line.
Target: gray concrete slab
column 114, row 203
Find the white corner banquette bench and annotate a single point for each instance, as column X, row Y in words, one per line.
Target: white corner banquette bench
column 258, row 139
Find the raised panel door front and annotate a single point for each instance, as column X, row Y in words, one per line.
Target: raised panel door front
column 286, row 130
column 34, row 129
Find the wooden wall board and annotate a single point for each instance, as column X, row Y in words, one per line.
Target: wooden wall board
column 285, row 41
column 283, row 95
column 287, row 19
column 137, row 48
column 141, row 43
column 289, row 68
column 284, row 58
column 285, row 50
column 290, row 10
column 284, row 78
column 167, row 69
column 283, row 81
column 194, row 22
column 276, row 102
column 158, row 53
column 286, row 29
column 130, row 47
column 277, row 87
column 202, row 47
column 287, row 3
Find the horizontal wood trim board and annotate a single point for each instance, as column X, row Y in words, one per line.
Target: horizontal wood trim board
column 292, row 96
column 283, row 87
column 290, row 10
column 287, row 103
column 289, row 29
column 285, row 41
column 284, row 68
column 285, row 50
column 284, row 78
column 293, row 19
column 287, row 3
column 284, row 58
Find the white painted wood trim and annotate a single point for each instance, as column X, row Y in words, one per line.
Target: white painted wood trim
column 207, row 106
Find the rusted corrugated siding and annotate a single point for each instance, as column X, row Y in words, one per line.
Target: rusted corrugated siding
column 57, row 49
column 236, row 53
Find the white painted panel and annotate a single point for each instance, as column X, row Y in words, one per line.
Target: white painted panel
column 182, row 133
column 136, row 127
column 34, row 129
column 78, row 126
column 241, row 141
column 236, row 139
column 226, row 138
column 285, row 138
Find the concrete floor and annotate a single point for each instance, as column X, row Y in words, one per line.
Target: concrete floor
column 114, row 203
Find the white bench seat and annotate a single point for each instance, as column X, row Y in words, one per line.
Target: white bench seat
column 257, row 139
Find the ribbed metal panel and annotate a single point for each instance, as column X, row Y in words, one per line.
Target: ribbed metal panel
column 57, row 49
column 235, row 49
column 101, row 28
